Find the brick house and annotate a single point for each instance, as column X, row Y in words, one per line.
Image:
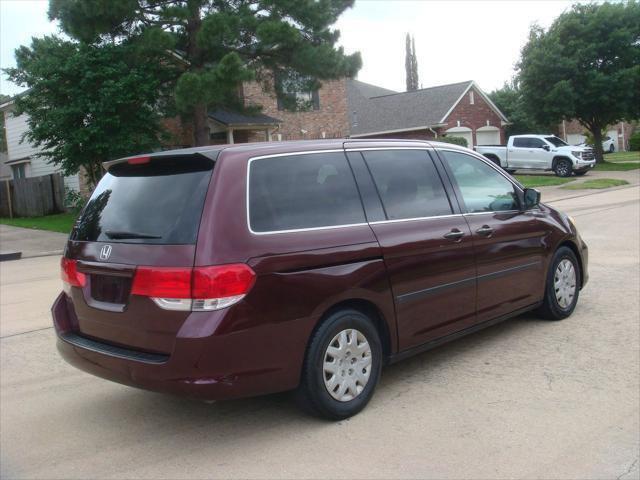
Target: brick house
column 349, row 108
column 573, row 132
column 458, row 109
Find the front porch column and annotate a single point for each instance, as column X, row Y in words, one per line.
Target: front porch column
column 230, row 136
column 268, row 133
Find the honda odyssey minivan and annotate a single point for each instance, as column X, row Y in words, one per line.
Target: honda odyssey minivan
column 229, row 271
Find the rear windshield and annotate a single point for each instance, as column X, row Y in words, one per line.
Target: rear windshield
column 158, row 203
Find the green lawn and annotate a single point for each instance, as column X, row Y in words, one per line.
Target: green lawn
column 596, row 183
column 541, row 180
column 622, row 156
column 61, row 222
column 616, row 167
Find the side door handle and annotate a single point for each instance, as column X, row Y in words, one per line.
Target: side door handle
column 454, row 234
column 485, row 231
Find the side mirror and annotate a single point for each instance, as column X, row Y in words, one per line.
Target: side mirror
column 546, row 147
column 531, row 198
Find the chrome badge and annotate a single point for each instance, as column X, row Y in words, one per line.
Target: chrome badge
column 105, row 252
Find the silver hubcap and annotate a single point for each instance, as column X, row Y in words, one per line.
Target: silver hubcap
column 564, row 283
column 347, row 365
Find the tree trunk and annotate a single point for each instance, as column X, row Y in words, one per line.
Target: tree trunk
column 597, row 144
column 200, row 125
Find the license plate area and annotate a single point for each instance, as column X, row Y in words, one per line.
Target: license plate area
column 110, row 289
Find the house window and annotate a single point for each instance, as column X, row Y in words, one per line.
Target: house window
column 297, row 93
column 471, row 99
column 19, row 170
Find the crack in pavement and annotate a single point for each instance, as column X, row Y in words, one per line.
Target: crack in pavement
column 24, row 333
column 628, row 470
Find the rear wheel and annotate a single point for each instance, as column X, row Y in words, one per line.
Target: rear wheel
column 611, row 148
column 562, row 287
column 563, row 168
column 342, row 366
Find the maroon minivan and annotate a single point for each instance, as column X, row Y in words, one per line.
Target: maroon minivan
column 237, row 270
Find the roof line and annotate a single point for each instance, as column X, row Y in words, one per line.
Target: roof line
column 398, row 130
column 422, row 89
column 484, row 96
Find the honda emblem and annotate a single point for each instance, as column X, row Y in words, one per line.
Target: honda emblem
column 105, row 252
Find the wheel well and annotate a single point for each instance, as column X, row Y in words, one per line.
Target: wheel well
column 493, row 158
column 573, row 247
column 557, row 159
column 369, row 309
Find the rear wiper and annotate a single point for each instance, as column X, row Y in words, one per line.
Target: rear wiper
column 118, row 234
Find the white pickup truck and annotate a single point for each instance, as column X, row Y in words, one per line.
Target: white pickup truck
column 540, row 152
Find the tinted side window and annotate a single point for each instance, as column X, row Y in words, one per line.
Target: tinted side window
column 483, row 189
column 521, row 142
column 536, row 143
column 408, row 183
column 302, row 191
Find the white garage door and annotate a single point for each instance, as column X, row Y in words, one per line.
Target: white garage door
column 488, row 137
column 462, row 132
column 575, row 138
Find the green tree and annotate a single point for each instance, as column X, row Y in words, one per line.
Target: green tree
column 222, row 43
column 585, row 66
column 411, row 64
column 510, row 101
column 89, row 104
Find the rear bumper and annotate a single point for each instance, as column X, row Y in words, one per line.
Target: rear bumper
column 202, row 364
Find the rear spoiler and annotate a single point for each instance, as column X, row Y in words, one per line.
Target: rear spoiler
column 209, row 152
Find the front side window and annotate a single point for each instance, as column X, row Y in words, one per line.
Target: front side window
column 536, row 143
column 302, row 191
column 483, row 188
column 408, row 184
column 556, row 142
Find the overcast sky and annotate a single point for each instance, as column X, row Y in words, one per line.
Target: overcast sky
column 456, row 40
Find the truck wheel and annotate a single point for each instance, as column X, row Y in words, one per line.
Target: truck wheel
column 342, row 366
column 611, row 148
column 563, row 168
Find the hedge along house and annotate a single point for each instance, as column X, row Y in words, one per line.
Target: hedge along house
column 458, row 109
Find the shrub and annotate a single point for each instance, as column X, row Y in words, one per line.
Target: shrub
column 73, row 200
column 634, row 142
column 455, row 140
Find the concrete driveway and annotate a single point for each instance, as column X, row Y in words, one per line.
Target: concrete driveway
column 524, row 399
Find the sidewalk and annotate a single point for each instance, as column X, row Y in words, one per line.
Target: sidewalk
column 32, row 243
column 551, row 194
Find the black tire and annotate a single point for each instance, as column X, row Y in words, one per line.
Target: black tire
column 312, row 394
column 563, row 168
column 551, row 309
column 611, row 148
column 579, row 174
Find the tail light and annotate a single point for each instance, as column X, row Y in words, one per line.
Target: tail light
column 197, row 289
column 70, row 275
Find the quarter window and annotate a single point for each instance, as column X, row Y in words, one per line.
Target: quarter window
column 408, row 184
column 302, row 191
column 483, row 188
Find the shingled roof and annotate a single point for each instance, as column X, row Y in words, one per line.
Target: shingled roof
column 232, row 119
column 376, row 110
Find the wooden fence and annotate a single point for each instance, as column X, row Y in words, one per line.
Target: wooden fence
column 33, row 196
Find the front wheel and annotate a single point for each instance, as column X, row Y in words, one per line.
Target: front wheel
column 563, row 168
column 342, row 366
column 562, row 287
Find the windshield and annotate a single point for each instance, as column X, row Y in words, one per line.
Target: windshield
column 556, row 141
column 157, row 203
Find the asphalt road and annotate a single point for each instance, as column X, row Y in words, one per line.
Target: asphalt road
column 524, row 399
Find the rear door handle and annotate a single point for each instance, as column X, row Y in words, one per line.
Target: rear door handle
column 485, row 230
column 454, row 234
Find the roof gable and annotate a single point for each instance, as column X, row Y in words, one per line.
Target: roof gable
column 373, row 112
